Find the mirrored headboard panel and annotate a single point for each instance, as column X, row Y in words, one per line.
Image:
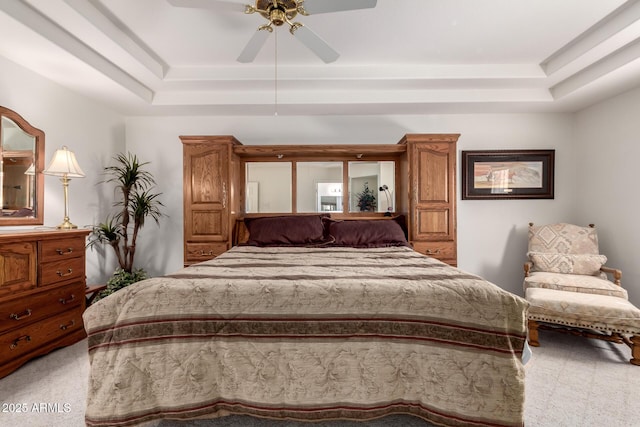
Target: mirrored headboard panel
column 345, row 180
column 21, row 166
column 267, row 187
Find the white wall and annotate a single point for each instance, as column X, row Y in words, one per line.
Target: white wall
column 491, row 234
column 91, row 131
column 596, row 178
column 608, row 189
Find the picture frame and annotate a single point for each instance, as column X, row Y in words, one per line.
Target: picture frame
column 508, row 174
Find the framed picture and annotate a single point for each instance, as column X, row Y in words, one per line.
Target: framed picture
column 507, row 174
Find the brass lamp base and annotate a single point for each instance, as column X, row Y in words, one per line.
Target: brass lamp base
column 66, row 225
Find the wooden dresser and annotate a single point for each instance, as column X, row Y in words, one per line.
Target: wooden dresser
column 42, row 293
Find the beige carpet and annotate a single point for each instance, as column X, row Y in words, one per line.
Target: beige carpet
column 571, row 382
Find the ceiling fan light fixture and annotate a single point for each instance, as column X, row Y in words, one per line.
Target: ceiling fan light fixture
column 278, row 17
column 279, row 12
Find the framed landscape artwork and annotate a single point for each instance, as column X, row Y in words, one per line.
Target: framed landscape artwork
column 507, row 174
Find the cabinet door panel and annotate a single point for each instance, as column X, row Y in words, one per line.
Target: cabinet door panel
column 206, row 169
column 208, row 182
column 433, row 224
column 207, row 224
column 433, row 175
column 17, row 267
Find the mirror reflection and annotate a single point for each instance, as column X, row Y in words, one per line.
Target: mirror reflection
column 372, row 186
column 319, row 186
column 268, row 187
column 21, row 147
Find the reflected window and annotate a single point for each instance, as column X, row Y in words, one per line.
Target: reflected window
column 319, row 187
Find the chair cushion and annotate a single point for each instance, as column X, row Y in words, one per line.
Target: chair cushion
column 567, row 263
column 582, row 310
column 563, row 238
column 574, row 283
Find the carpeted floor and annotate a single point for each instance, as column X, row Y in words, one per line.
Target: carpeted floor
column 570, row 382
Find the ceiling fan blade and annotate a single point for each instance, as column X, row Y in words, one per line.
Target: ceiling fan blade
column 325, row 6
column 217, row 5
column 252, row 48
column 315, row 43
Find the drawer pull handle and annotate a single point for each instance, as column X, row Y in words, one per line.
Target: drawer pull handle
column 431, row 252
column 68, row 273
column 64, row 252
column 20, row 316
column 68, row 325
column 67, row 301
column 203, row 253
column 25, row 338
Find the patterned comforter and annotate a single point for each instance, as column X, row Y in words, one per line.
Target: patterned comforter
column 309, row 334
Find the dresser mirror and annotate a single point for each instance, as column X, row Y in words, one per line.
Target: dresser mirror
column 22, row 154
column 319, row 186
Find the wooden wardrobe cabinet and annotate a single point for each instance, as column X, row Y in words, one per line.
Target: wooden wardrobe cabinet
column 209, row 196
column 42, row 293
column 431, row 187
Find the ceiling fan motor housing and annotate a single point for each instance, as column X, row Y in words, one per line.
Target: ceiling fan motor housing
column 277, row 11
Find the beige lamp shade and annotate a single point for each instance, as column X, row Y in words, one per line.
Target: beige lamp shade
column 31, row 170
column 64, row 163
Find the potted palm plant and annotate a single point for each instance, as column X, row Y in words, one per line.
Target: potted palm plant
column 136, row 202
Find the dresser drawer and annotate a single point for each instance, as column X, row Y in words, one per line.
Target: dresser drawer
column 21, row 311
column 203, row 251
column 59, row 249
column 61, row 271
column 444, row 251
column 18, row 342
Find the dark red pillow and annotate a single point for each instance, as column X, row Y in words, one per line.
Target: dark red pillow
column 374, row 233
column 290, row 230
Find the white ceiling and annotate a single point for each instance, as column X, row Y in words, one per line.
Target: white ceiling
column 401, row 57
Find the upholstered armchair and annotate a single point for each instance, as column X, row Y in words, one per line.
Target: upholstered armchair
column 570, row 289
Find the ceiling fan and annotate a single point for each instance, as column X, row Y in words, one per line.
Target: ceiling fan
column 280, row 12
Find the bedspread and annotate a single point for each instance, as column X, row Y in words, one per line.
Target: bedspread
column 309, row 334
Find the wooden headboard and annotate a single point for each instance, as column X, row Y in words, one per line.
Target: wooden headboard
column 215, row 188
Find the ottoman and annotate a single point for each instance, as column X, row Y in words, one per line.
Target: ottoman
column 605, row 317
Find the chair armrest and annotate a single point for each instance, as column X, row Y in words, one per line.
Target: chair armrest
column 617, row 274
column 527, row 268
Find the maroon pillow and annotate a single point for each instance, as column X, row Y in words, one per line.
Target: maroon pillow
column 375, row 233
column 292, row 230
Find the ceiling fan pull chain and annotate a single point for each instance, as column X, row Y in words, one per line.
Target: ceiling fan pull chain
column 276, row 75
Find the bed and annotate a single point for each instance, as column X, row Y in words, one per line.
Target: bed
column 356, row 327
